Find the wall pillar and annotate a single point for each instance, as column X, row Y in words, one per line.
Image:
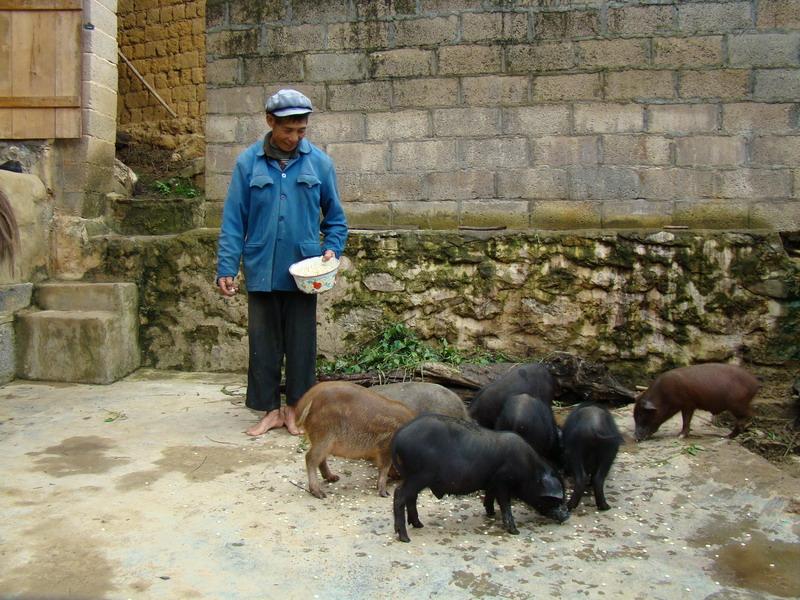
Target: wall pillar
column 85, row 166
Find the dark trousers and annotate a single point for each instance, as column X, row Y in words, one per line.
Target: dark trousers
column 280, row 324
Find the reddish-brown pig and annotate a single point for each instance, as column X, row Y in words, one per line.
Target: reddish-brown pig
column 715, row 387
column 348, row 420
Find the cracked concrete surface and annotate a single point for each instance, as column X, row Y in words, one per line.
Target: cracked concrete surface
column 147, row 488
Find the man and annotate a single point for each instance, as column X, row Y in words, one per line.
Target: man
column 282, row 195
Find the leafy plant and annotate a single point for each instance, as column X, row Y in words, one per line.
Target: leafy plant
column 162, row 187
column 175, row 187
column 398, row 347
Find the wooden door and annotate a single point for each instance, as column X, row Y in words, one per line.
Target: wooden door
column 40, row 69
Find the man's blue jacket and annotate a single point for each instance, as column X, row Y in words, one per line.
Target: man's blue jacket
column 273, row 219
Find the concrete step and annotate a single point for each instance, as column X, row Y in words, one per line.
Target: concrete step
column 78, row 295
column 155, row 216
column 79, row 332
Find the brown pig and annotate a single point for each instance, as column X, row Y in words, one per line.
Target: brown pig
column 348, row 420
column 714, row 387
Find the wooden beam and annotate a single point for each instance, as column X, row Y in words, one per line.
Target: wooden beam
column 40, row 101
column 147, row 85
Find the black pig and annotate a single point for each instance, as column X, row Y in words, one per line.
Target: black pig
column 533, row 420
column 534, row 379
column 590, row 443
column 454, row 456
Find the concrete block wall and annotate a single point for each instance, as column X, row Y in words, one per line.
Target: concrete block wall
column 523, row 113
column 165, row 41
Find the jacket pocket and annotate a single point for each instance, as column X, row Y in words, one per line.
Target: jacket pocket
column 309, row 249
column 308, row 180
column 260, row 181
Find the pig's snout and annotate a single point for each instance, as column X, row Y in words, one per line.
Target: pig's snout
column 559, row 514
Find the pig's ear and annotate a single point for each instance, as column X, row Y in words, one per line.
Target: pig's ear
column 647, row 404
column 552, row 487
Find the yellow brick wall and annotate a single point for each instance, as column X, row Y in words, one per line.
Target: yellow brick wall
column 165, row 41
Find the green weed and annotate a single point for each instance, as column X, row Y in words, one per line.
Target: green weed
column 692, row 449
column 175, row 187
column 398, row 347
column 303, row 445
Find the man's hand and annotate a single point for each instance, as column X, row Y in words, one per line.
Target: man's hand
column 227, row 286
column 329, row 254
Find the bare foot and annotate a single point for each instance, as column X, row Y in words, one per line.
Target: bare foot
column 271, row 420
column 290, row 420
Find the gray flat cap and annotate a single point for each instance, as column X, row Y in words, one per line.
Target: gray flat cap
column 288, row 102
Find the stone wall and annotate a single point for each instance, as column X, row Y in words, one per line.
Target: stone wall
column 642, row 301
column 165, row 41
column 525, row 113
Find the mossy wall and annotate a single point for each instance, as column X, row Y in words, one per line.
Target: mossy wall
column 641, row 300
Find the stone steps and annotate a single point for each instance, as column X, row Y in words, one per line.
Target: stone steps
column 79, row 332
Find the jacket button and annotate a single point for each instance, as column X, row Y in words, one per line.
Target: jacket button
column 283, row 196
column 283, row 175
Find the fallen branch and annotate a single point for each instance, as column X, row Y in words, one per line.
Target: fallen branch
column 433, row 372
column 298, row 485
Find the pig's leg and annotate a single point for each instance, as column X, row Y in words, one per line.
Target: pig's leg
column 399, row 505
column 598, row 482
column 413, row 515
column 488, row 503
column 504, row 500
column 738, row 427
column 741, row 423
column 314, row 459
column 581, row 480
column 326, row 473
column 686, row 413
column 383, row 478
column 384, row 462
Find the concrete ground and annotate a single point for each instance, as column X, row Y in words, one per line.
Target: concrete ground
column 147, row 488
